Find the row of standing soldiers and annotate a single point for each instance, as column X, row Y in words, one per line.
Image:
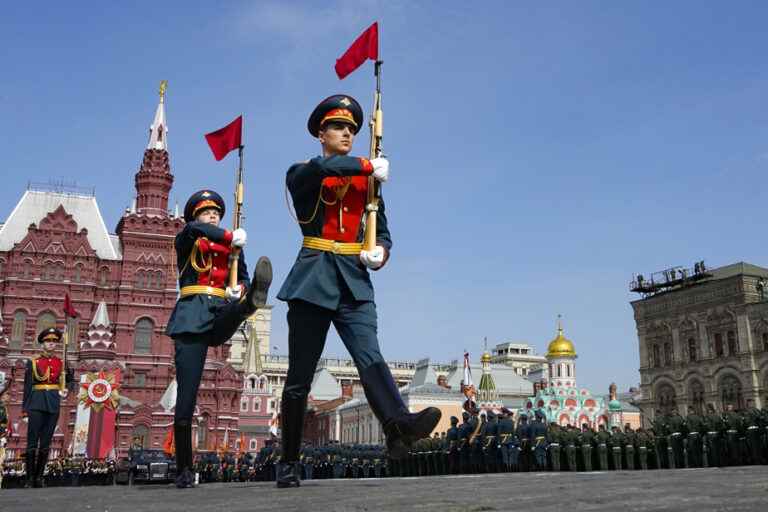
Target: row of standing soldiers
column 491, row 443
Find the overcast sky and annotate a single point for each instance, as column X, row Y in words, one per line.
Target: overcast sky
column 540, row 155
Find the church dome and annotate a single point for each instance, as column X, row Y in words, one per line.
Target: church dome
column 561, row 346
column 486, row 358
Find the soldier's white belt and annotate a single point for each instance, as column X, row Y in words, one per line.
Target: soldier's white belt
column 186, row 291
column 753, row 427
column 323, row 244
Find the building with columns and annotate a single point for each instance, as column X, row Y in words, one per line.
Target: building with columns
column 703, row 339
column 123, row 284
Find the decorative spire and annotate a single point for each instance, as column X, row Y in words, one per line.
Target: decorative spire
column 486, row 391
column 101, row 317
column 99, row 344
column 159, row 128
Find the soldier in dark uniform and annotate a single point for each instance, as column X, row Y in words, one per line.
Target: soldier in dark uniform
column 41, row 403
column 329, row 282
column 734, row 429
column 661, row 433
column 453, row 446
column 694, row 435
column 538, row 436
column 465, row 432
column 641, row 443
column 570, row 438
column 208, row 311
column 753, row 422
column 491, row 443
column 713, row 446
column 617, row 442
column 524, row 435
column 508, row 449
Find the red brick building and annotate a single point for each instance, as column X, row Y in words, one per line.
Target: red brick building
column 124, row 286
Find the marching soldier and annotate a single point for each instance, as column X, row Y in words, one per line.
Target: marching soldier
column 676, row 426
column 506, row 431
column 617, row 443
column 524, row 435
column 630, row 439
column 752, row 420
column 329, row 282
column 602, row 437
column 694, row 426
column 538, row 434
column 733, row 429
column 465, row 432
column 41, row 403
column 641, row 441
column 554, row 436
column 585, row 440
column 714, row 425
column 208, row 311
column 569, row 439
column 661, row 433
column 491, row 443
column 453, row 446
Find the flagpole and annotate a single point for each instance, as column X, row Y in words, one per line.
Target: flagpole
column 377, row 134
column 235, row 254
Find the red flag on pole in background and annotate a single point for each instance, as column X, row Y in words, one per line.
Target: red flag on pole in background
column 69, row 310
column 365, row 47
column 224, row 140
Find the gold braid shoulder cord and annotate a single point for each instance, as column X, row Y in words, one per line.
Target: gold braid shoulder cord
column 194, row 260
column 339, row 195
column 38, row 377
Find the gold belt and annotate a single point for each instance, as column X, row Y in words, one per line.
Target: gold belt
column 45, row 387
column 186, row 291
column 322, row 244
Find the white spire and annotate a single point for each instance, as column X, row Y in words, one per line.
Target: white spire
column 252, row 362
column 159, row 129
column 100, row 318
column 176, row 211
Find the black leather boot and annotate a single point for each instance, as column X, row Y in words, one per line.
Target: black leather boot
column 292, row 412
column 401, row 427
column 30, row 462
column 257, row 293
column 182, row 435
column 42, row 461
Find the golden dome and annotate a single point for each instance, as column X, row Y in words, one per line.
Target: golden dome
column 486, row 358
column 561, row 346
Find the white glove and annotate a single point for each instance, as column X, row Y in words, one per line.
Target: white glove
column 233, row 293
column 373, row 259
column 380, row 169
column 239, row 238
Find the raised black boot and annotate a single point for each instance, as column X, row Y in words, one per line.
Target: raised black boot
column 292, row 425
column 257, row 293
column 42, row 461
column 401, row 427
column 30, row 461
column 182, row 436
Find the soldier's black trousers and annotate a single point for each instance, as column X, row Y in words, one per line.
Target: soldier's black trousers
column 40, row 429
column 308, row 326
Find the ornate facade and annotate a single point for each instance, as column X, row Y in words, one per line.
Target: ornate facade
column 124, row 287
column 705, row 343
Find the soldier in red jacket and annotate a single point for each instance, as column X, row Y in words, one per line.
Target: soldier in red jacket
column 41, row 403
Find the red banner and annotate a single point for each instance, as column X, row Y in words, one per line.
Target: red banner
column 365, row 47
column 224, row 140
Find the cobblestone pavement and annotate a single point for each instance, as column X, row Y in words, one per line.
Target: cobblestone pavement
column 715, row 489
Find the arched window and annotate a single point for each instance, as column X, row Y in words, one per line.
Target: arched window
column 103, row 276
column 765, row 341
column 142, row 336
column 719, row 344
column 243, row 405
column 692, row 349
column 655, row 356
column 666, row 401
column 77, row 276
column 159, row 280
column 26, row 268
column 568, row 370
column 48, row 270
column 559, row 370
column 44, row 321
column 730, row 392
column 18, row 329
column 139, row 279
column 256, row 404
column 733, row 345
column 58, row 274
column 668, row 355
column 697, row 396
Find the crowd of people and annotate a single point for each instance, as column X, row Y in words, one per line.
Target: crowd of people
column 62, row 472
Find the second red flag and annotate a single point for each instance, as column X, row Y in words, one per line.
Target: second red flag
column 224, row 140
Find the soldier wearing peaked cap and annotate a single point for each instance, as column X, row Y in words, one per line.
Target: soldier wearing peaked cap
column 329, row 282
column 208, row 311
column 41, row 402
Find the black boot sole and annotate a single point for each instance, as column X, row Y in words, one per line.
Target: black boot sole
column 262, row 280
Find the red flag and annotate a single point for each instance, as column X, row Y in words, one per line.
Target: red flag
column 69, row 310
column 226, row 139
column 365, row 47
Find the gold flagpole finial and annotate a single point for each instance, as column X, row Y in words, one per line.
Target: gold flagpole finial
column 163, row 87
